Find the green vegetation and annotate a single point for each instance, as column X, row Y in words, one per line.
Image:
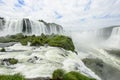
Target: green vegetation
column 12, row 77
column 75, row 76
column 60, row 74
column 61, row 41
column 24, row 42
column 52, row 40
column 3, row 50
column 12, row 38
column 13, row 61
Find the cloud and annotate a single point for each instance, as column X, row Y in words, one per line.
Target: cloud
column 107, row 16
column 71, row 14
column 58, row 16
column 87, row 6
column 21, row 2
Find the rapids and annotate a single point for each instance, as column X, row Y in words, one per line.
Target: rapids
column 42, row 61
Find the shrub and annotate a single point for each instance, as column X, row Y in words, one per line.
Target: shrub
column 24, row 42
column 61, row 41
column 69, row 77
column 35, row 42
column 12, row 77
column 17, row 36
column 75, row 76
column 52, row 40
column 2, row 50
column 58, row 74
column 13, row 61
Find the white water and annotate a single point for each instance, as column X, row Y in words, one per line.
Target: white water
column 26, row 26
column 50, row 58
column 90, row 44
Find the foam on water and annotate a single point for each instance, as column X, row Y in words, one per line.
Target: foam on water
column 49, row 59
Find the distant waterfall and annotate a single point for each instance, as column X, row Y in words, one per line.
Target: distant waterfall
column 108, row 32
column 27, row 26
column 2, row 22
column 116, row 31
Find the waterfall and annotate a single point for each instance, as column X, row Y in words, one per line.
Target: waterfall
column 115, row 32
column 114, row 39
column 88, row 44
column 94, row 45
column 27, row 26
column 107, row 32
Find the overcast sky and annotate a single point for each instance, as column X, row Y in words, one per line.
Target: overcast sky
column 71, row 14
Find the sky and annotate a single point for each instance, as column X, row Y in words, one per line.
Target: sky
column 71, row 14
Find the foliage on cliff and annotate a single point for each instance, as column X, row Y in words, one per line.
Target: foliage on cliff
column 52, row 40
column 60, row 74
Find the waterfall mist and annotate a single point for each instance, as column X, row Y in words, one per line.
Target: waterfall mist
column 95, row 44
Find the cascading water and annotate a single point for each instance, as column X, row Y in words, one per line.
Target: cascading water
column 109, row 37
column 95, row 43
column 114, row 40
column 41, row 62
column 27, row 26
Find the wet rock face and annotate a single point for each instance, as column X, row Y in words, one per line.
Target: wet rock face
column 7, row 44
column 103, row 70
column 2, row 23
column 114, row 52
column 34, row 59
column 26, row 26
column 105, row 32
column 4, row 62
column 8, row 62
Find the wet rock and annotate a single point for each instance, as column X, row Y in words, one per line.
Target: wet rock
column 114, row 52
column 34, row 59
column 103, row 70
column 7, row 44
column 8, row 61
column 46, row 45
